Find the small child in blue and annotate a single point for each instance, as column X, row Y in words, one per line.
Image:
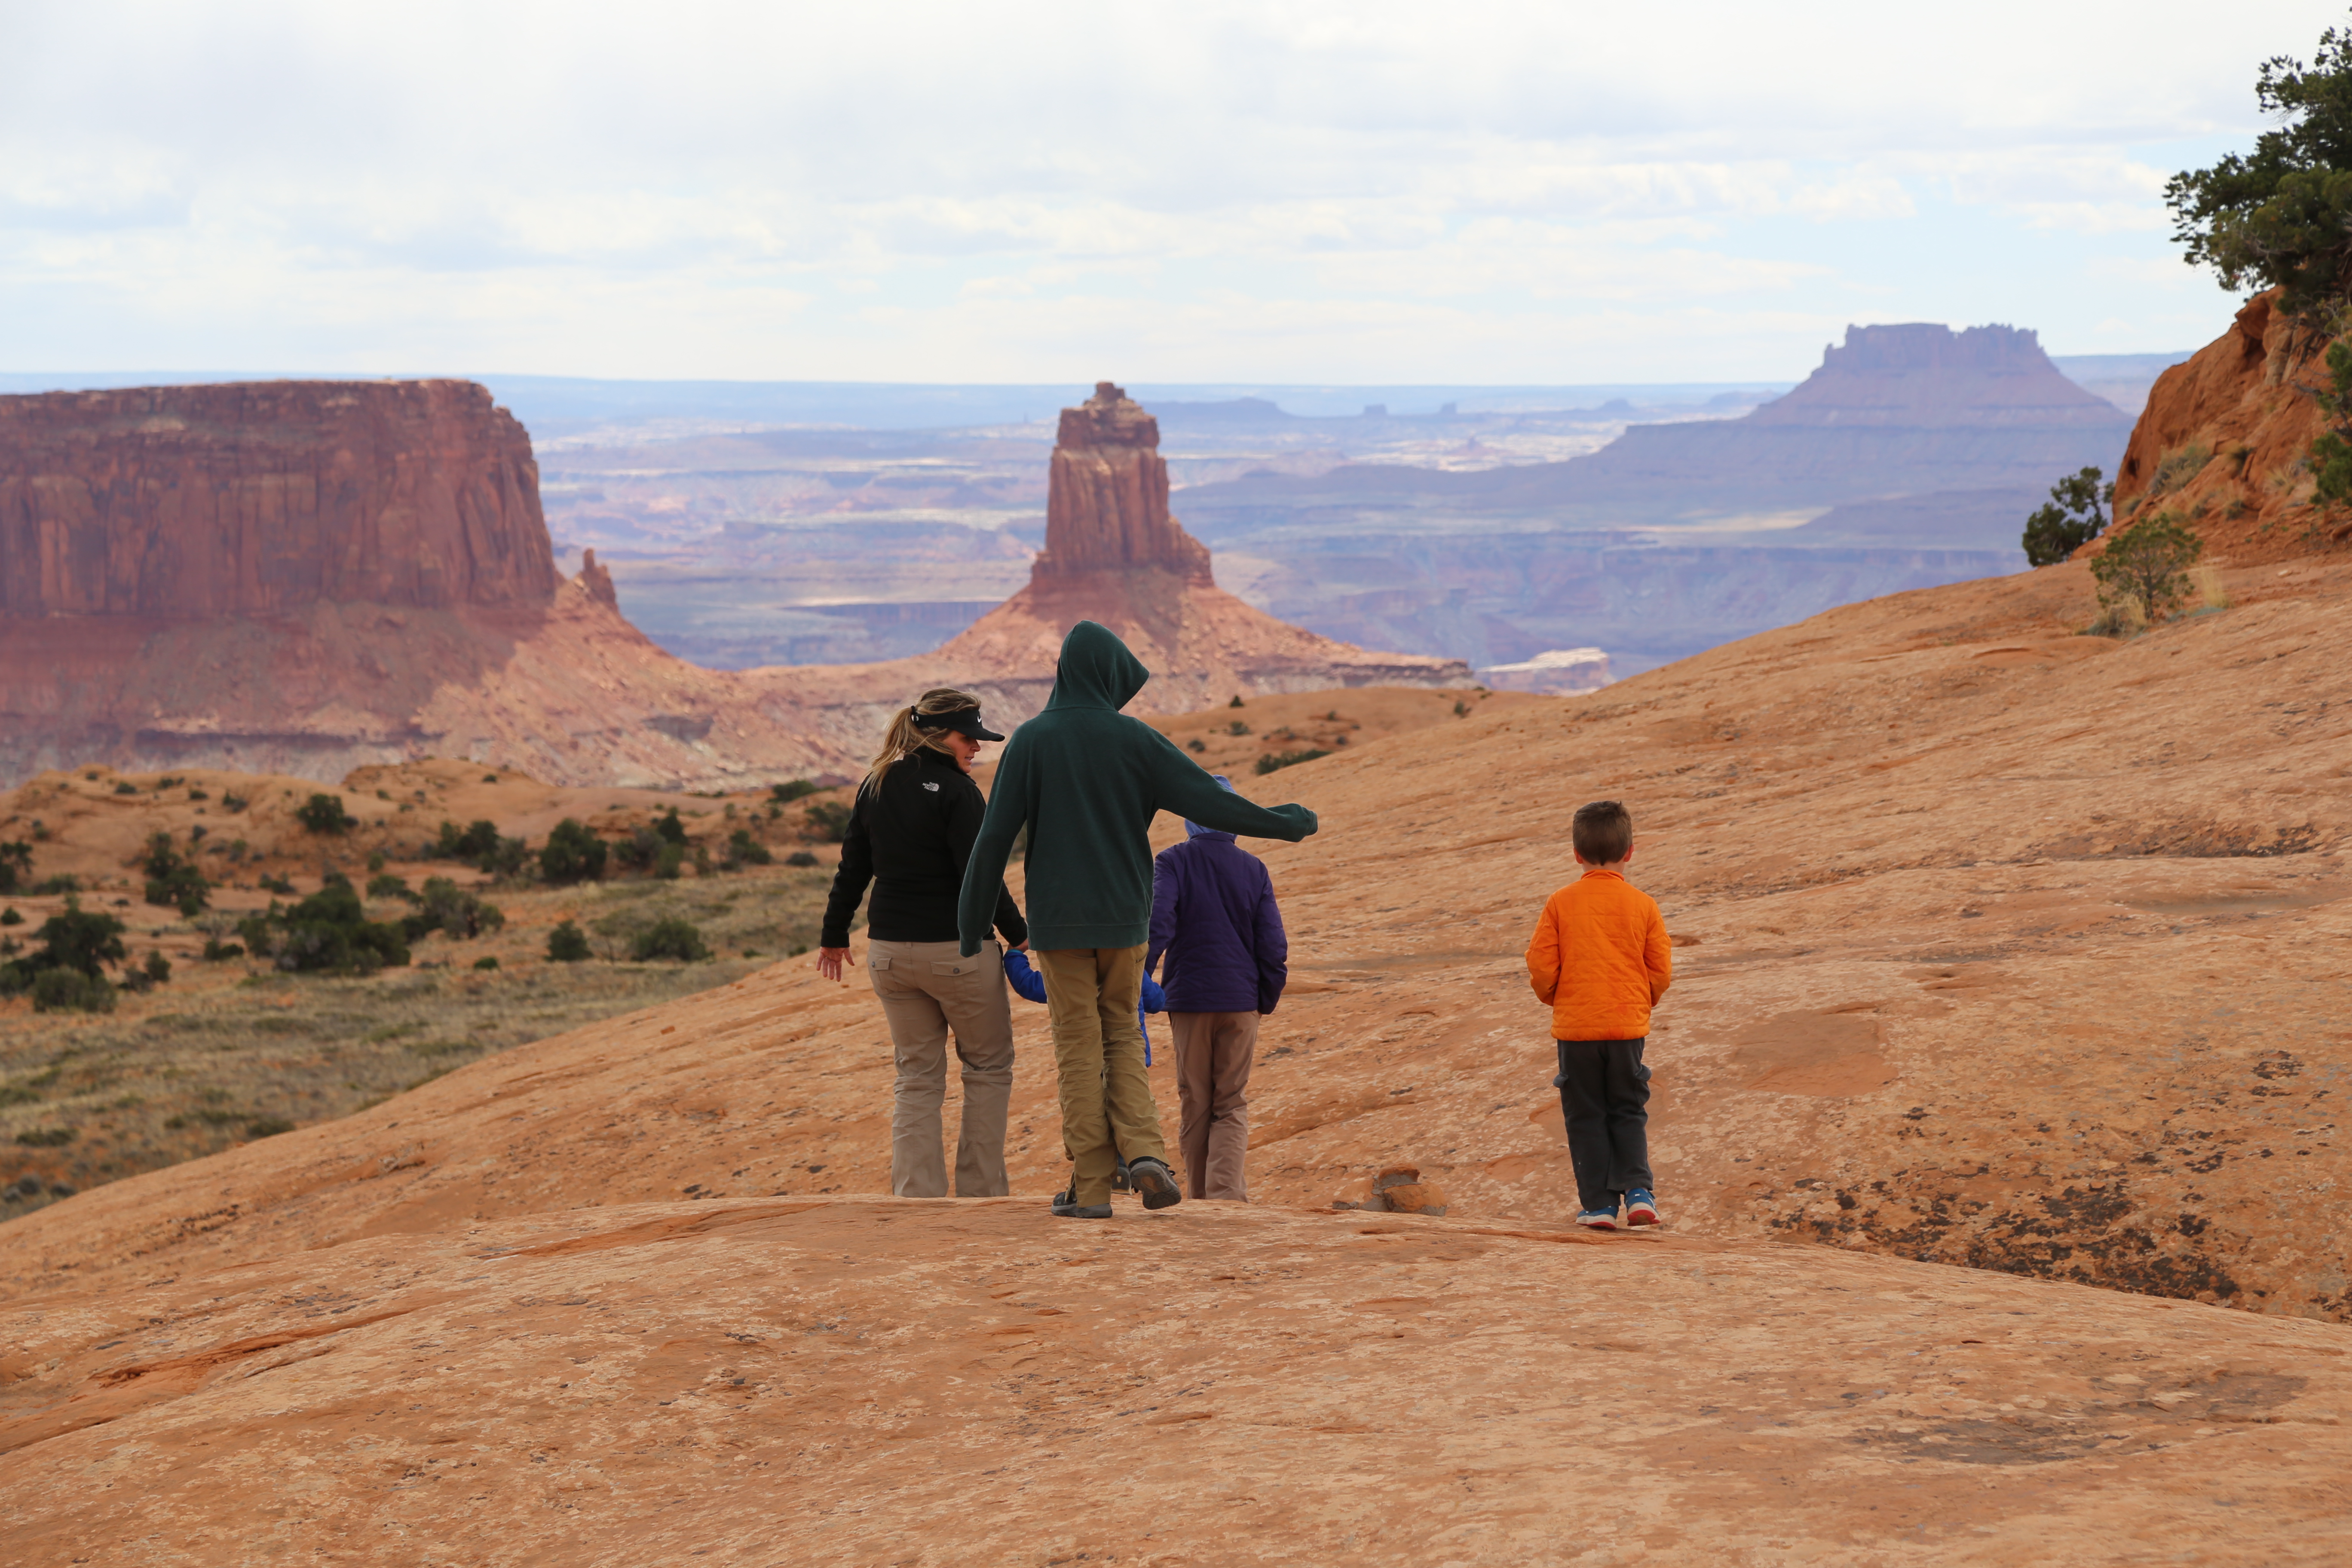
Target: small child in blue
column 1028, row 984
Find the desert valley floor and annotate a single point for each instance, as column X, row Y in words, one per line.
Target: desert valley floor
column 1999, row 1126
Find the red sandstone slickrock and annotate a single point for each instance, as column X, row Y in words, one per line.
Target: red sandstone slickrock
column 1996, row 1119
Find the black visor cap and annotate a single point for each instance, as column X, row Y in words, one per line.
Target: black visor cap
column 963, row 721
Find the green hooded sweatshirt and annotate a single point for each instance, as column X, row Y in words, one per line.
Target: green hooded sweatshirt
column 1087, row 780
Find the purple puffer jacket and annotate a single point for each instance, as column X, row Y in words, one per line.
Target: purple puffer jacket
column 1212, row 914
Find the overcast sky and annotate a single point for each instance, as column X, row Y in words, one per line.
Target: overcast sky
column 1359, row 192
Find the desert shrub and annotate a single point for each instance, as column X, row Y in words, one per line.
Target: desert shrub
column 828, row 821
column 268, row 1127
column 15, row 865
column 1237, row 728
column 567, row 943
column 445, row 906
column 2177, row 468
column 480, row 847
column 785, row 793
column 743, row 849
column 572, row 854
column 70, row 990
column 46, row 1137
column 2330, row 454
column 50, row 887
column 2283, row 214
column 800, row 858
column 1236, row 702
column 1276, row 762
column 324, row 813
column 199, row 795
column 487, row 961
column 126, row 787
column 2146, row 565
column 283, row 886
column 672, row 936
column 150, row 975
column 387, row 885
column 2070, row 519
column 9, row 916
column 669, row 829
column 173, row 882
column 233, row 802
column 327, row 933
column 82, row 940
column 1198, row 744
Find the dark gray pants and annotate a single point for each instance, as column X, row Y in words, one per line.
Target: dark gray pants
column 1604, row 1093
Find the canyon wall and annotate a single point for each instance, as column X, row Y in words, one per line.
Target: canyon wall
column 194, row 502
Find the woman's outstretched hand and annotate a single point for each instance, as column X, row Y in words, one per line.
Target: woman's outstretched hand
column 829, row 961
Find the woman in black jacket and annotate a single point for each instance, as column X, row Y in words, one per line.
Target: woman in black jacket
column 910, row 834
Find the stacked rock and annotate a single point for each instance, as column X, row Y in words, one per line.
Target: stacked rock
column 1398, row 1189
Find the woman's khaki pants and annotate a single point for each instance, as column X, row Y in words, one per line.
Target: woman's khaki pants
column 926, row 989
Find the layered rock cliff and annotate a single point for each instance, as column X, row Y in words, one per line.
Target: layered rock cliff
column 192, row 502
column 2223, row 445
column 308, row 577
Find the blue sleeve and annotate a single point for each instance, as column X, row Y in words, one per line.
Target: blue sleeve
column 1272, row 946
column 1165, row 895
column 1026, row 983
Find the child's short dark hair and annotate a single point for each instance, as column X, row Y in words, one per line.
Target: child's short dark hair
column 1602, row 833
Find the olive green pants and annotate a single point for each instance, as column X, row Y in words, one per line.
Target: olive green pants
column 1091, row 995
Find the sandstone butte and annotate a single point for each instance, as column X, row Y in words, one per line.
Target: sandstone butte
column 309, row 577
column 1113, row 554
column 1998, row 1121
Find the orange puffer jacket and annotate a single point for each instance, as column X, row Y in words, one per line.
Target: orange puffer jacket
column 1600, row 957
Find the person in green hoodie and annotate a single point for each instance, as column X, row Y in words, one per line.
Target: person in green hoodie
column 1085, row 780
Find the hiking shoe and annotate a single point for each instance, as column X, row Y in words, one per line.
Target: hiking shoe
column 1066, row 1206
column 1598, row 1219
column 1641, row 1208
column 1156, row 1182
column 1119, row 1181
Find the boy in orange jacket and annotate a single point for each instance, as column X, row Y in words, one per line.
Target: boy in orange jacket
column 1600, row 957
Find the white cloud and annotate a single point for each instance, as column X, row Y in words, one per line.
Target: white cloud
column 933, row 189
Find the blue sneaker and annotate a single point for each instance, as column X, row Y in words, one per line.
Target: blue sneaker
column 1641, row 1208
column 1598, row 1219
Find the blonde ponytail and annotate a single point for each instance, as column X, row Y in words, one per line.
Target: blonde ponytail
column 903, row 737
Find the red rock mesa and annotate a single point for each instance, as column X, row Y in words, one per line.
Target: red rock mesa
column 191, row 502
column 307, row 577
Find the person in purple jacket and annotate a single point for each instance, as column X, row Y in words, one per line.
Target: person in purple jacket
column 1213, row 918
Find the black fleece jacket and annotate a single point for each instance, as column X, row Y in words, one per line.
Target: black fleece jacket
column 911, row 838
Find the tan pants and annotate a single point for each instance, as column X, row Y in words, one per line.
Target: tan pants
column 926, row 990
column 1213, row 1053
column 1091, row 993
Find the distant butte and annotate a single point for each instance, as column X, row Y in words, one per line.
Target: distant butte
column 1114, row 553
column 308, row 577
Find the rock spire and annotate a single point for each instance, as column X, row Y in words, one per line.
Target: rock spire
column 1107, row 498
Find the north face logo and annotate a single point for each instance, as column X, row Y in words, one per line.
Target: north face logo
column 932, row 787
